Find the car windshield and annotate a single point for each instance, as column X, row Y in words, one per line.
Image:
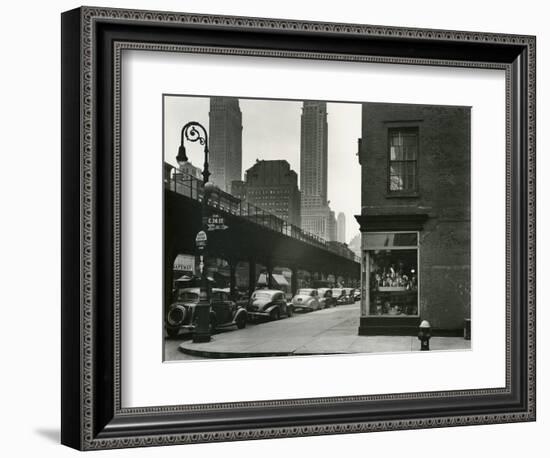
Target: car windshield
column 261, row 295
column 337, row 292
column 305, row 292
column 185, row 296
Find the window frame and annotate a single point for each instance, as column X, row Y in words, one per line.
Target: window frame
column 404, row 192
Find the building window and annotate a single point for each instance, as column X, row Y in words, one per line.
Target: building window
column 403, row 154
column 392, row 272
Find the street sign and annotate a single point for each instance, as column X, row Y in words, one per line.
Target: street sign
column 200, row 240
column 216, row 223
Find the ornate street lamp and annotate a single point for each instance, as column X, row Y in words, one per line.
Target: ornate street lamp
column 195, row 132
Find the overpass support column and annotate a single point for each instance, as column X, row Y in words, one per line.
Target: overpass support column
column 294, row 280
column 232, row 278
column 251, row 276
column 269, row 275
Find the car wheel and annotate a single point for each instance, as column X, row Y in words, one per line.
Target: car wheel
column 241, row 321
column 275, row 315
column 172, row 332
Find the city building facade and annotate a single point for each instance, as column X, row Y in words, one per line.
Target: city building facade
column 317, row 217
column 272, row 186
column 225, row 141
column 415, row 218
column 341, row 228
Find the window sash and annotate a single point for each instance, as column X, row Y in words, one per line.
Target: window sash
column 403, row 155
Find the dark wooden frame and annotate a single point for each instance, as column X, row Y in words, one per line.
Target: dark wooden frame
column 92, row 39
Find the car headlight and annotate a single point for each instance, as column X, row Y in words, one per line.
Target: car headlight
column 176, row 315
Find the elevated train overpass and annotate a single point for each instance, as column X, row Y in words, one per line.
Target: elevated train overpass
column 252, row 235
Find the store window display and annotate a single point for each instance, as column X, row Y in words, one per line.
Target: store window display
column 392, row 272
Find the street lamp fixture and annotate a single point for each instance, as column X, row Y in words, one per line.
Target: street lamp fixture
column 195, row 132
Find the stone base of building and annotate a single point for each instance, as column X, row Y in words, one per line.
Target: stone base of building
column 400, row 326
column 388, row 326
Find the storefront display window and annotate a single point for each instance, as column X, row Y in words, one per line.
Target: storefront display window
column 392, row 273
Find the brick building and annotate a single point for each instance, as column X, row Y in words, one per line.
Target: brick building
column 415, row 218
column 273, row 186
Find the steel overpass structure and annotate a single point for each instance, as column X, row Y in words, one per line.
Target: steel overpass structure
column 252, row 235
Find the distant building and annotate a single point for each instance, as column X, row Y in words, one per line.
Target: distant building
column 238, row 189
column 355, row 245
column 342, row 249
column 317, row 217
column 189, row 169
column 341, row 228
column 186, row 179
column 332, row 226
column 319, row 221
column 415, row 218
column 272, row 186
column 225, row 141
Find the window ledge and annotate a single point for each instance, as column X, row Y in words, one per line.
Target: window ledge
column 407, row 195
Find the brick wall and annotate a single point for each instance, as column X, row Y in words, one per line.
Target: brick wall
column 443, row 194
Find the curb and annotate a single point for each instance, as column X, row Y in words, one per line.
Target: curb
column 229, row 354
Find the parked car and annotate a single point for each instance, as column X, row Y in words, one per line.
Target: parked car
column 339, row 296
column 356, row 294
column 223, row 311
column 347, row 296
column 306, row 300
column 325, row 297
column 268, row 303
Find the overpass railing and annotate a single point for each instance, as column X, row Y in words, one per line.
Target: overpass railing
column 192, row 187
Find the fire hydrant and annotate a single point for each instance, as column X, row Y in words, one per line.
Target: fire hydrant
column 424, row 334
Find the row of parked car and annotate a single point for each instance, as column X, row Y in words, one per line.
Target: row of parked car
column 310, row 299
column 263, row 303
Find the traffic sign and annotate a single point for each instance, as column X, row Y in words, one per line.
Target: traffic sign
column 200, row 240
column 216, row 223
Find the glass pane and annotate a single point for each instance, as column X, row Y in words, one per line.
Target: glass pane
column 393, row 281
column 409, row 146
column 403, row 176
column 396, row 183
column 380, row 240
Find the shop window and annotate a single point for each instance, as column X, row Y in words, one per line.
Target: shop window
column 403, row 153
column 392, row 273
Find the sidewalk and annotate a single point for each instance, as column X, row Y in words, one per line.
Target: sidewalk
column 330, row 331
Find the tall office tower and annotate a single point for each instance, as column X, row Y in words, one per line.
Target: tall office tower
column 317, row 218
column 341, row 228
column 225, row 141
column 314, row 152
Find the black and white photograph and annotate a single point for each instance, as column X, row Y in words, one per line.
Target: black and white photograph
column 314, row 227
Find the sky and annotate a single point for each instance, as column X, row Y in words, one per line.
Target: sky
column 271, row 130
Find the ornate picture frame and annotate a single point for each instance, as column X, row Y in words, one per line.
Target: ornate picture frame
column 93, row 416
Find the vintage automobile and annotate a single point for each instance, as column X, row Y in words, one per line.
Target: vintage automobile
column 339, row 295
column 224, row 312
column 348, row 295
column 306, row 300
column 356, row 294
column 268, row 303
column 325, row 297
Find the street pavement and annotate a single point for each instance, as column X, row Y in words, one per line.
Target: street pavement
column 329, row 331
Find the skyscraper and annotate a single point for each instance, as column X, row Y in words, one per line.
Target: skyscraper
column 314, row 153
column 317, row 218
column 225, row 141
column 341, row 228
